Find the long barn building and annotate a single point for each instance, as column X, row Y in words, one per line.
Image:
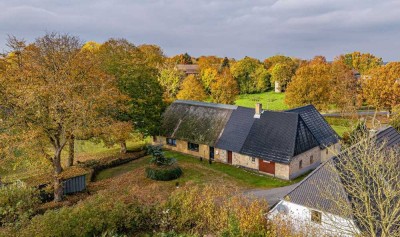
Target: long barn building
column 283, row 144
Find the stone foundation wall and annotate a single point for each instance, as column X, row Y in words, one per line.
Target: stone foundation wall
column 220, row 155
column 330, row 151
column 182, row 146
column 245, row 161
column 305, row 157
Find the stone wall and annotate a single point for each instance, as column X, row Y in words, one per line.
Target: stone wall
column 305, row 157
column 182, row 146
column 282, row 171
column 220, row 155
column 330, row 151
column 245, row 161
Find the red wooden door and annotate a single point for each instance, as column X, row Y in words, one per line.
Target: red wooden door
column 229, row 157
column 266, row 166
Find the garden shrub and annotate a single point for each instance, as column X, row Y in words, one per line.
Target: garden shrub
column 215, row 210
column 18, row 203
column 96, row 216
column 163, row 173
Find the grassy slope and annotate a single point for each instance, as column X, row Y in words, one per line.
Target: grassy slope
column 197, row 172
column 270, row 100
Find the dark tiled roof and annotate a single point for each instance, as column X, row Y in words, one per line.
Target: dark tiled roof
column 323, row 184
column 236, row 130
column 319, row 189
column 278, row 136
column 196, row 122
column 390, row 136
column 321, row 130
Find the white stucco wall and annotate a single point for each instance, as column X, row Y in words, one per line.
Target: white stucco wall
column 300, row 216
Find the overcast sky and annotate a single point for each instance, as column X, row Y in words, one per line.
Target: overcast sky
column 233, row 28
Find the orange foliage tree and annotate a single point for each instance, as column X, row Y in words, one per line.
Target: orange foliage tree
column 224, row 89
column 382, row 88
column 51, row 91
column 311, row 85
column 191, row 89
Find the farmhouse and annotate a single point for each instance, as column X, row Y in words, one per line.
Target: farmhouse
column 311, row 203
column 282, row 144
column 189, row 69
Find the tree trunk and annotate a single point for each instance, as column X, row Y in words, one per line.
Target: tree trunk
column 123, row 147
column 71, row 151
column 58, row 189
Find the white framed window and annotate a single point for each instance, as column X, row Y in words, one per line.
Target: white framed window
column 253, row 159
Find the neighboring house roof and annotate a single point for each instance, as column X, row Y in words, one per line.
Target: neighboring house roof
column 321, row 130
column 278, row 137
column 196, row 122
column 237, row 129
column 188, row 68
column 323, row 185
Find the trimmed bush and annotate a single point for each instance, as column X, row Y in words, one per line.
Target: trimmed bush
column 163, row 173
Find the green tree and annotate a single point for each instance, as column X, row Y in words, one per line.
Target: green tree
column 137, row 78
column 191, row 89
column 225, row 64
column 362, row 62
column 208, row 76
column 170, row 79
column 224, row 89
column 251, row 75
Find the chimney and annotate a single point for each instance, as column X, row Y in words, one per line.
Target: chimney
column 258, row 110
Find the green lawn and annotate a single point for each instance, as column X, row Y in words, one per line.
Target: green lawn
column 270, row 100
column 201, row 172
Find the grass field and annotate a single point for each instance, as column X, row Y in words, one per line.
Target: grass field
column 201, row 172
column 270, row 100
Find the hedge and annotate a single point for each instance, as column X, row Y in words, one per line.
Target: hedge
column 163, row 173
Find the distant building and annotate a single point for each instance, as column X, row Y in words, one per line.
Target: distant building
column 189, row 69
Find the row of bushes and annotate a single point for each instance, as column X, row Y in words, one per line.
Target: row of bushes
column 195, row 211
column 163, row 173
column 97, row 165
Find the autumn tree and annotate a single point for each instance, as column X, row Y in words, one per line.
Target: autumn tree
column 345, row 90
column 170, row 78
column 224, row 89
column 208, row 76
column 51, row 90
column 382, row 88
column 137, row 78
column 282, row 69
column 191, row 89
column 181, row 59
column 362, row 62
column 153, row 55
column 250, row 75
column 311, row 85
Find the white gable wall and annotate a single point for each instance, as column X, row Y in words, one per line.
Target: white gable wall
column 300, row 216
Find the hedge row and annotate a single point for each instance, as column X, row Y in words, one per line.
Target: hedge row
column 163, row 173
